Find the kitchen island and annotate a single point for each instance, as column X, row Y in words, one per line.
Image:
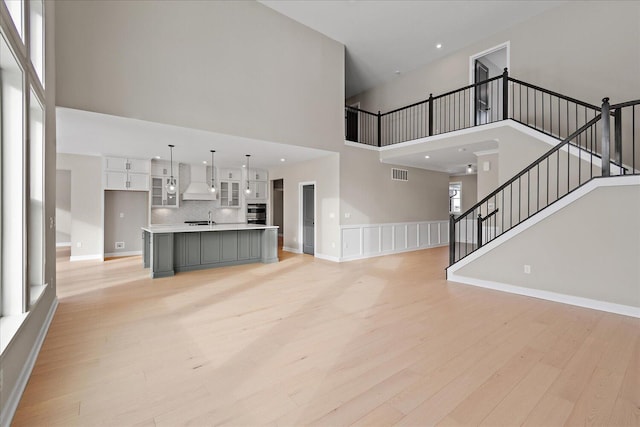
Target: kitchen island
column 170, row 249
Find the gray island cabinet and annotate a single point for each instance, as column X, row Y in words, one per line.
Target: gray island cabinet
column 170, row 249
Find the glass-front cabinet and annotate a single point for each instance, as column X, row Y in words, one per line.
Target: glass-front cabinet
column 229, row 194
column 160, row 198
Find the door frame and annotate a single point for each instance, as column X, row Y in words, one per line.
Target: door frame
column 300, row 215
column 354, row 105
column 472, row 63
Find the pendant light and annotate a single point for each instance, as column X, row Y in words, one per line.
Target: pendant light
column 212, row 187
column 469, row 169
column 247, row 190
column 171, row 185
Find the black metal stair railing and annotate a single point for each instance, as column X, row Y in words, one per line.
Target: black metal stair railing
column 492, row 100
column 557, row 173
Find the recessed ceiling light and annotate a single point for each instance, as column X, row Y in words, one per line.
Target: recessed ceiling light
column 462, row 149
column 204, row 162
column 244, row 166
column 439, row 46
column 397, row 71
column 282, row 160
column 157, row 157
column 426, row 157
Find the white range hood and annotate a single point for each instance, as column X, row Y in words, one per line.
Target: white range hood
column 198, row 188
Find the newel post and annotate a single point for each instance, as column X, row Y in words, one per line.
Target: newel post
column 505, row 94
column 479, row 231
column 379, row 130
column 430, row 114
column 452, row 239
column 606, row 129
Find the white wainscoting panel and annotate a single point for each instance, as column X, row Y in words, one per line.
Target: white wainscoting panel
column 351, row 242
column 370, row 240
column 387, row 238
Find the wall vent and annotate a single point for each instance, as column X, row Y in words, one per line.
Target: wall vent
column 399, row 174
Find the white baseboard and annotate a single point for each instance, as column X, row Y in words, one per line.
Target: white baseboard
column 14, row 395
column 86, row 257
column 327, row 257
column 62, row 244
column 293, row 250
column 117, row 254
column 610, row 307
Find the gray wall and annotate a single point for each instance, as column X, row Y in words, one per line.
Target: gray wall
column 489, row 180
column 563, row 49
column 469, row 190
column 369, row 195
column 237, row 68
column 86, row 203
column 63, row 206
column 324, row 172
column 577, row 258
column 125, row 212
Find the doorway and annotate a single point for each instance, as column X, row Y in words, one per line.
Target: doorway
column 351, row 124
column 308, row 219
column 278, row 208
column 487, row 97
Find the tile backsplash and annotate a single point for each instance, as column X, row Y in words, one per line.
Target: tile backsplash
column 191, row 210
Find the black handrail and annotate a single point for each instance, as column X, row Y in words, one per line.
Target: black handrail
column 556, row 94
column 473, row 85
column 531, row 166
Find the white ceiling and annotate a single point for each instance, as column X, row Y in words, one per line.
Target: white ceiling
column 88, row 133
column 382, row 37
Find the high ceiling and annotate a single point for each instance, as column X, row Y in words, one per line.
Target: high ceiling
column 383, row 36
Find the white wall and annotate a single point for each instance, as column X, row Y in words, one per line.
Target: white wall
column 237, row 68
column 589, row 249
column 86, row 204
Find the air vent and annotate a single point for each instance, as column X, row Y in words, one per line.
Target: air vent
column 399, row 174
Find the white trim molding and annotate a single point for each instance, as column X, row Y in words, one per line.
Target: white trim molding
column 122, row 254
column 373, row 240
column 9, row 409
column 610, row 307
column 89, row 257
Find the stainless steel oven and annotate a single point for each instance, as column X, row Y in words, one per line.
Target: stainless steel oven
column 257, row 213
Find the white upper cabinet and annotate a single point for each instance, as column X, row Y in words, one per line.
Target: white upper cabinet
column 163, row 168
column 126, row 174
column 230, row 175
column 257, row 175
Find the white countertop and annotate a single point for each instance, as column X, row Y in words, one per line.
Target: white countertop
column 182, row 228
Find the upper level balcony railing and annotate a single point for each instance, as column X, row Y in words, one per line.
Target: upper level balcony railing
column 495, row 99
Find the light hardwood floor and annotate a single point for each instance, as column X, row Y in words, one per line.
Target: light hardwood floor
column 383, row 341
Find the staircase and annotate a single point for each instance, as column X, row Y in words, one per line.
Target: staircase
column 593, row 142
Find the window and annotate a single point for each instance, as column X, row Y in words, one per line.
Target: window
column 22, row 162
column 12, row 181
column 36, row 36
column 15, row 11
column 455, row 197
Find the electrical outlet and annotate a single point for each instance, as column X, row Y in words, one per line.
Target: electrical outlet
column 527, row 269
column 121, row 214
column 119, row 245
column 78, row 244
column 347, row 215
